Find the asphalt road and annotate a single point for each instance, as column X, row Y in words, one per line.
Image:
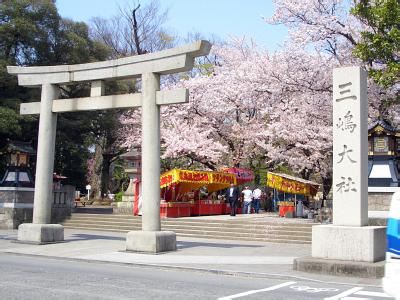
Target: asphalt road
column 28, row 277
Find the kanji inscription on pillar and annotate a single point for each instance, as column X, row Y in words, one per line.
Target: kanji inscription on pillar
column 350, row 156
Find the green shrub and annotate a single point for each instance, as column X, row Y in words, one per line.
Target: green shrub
column 118, row 196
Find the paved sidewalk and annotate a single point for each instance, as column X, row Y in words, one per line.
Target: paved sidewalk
column 240, row 258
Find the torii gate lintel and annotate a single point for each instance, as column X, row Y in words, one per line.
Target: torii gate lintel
column 99, row 102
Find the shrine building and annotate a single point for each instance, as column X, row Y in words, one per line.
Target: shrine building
column 383, row 155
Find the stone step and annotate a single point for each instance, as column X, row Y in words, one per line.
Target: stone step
column 269, row 240
column 243, row 224
column 115, row 221
column 247, row 229
column 207, row 236
column 199, row 231
column 239, row 217
column 120, row 218
column 204, row 232
column 295, row 235
column 244, row 234
column 200, row 227
column 190, row 221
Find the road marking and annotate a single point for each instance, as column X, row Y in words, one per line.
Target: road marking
column 308, row 289
column 355, row 298
column 345, row 293
column 373, row 294
column 272, row 288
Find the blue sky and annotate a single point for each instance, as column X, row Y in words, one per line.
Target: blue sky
column 223, row 18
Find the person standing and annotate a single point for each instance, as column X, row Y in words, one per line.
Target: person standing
column 256, row 199
column 268, row 202
column 247, row 197
column 232, row 195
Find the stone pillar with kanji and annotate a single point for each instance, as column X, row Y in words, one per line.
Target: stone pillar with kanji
column 349, row 238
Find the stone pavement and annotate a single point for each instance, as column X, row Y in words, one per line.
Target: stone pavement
column 239, row 258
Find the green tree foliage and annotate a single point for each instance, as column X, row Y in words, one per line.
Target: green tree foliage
column 33, row 33
column 380, row 47
column 9, row 125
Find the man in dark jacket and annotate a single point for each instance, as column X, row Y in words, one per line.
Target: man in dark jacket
column 232, row 195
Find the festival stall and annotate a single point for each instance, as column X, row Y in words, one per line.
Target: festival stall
column 185, row 193
column 291, row 187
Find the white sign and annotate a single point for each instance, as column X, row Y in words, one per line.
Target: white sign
column 88, row 187
column 350, row 146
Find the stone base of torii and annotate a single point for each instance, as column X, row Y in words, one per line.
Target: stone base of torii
column 148, row 67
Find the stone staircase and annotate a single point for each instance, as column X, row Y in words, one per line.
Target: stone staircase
column 262, row 229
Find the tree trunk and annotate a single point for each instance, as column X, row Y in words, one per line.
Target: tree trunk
column 105, row 174
column 94, row 178
column 305, row 174
column 136, row 32
column 327, row 185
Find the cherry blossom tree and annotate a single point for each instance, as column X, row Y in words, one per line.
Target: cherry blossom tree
column 327, row 26
column 301, row 121
column 251, row 106
column 259, row 106
column 327, row 31
column 223, row 123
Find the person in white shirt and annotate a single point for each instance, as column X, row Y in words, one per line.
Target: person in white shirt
column 256, row 199
column 247, row 197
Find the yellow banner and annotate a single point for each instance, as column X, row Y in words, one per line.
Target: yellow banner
column 178, row 176
column 288, row 186
column 222, row 178
column 195, row 179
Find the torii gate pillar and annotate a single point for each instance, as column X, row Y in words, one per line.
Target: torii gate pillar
column 40, row 231
column 150, row 238
column 149, row 67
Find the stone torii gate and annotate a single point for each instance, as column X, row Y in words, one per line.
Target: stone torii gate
column 149, row 67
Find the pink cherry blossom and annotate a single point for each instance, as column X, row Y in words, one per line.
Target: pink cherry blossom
column 253, row 107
